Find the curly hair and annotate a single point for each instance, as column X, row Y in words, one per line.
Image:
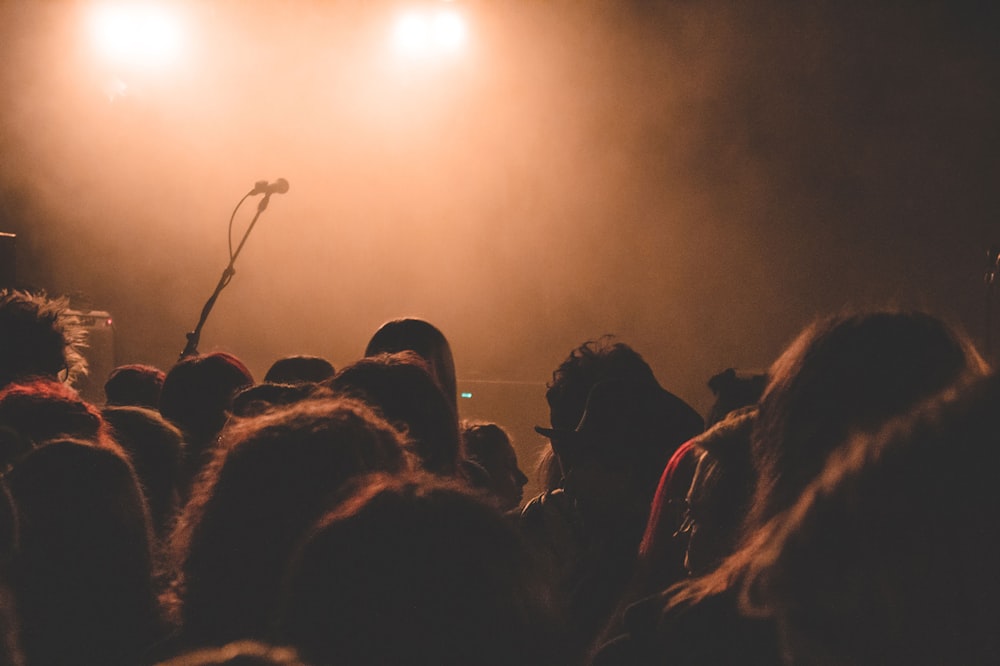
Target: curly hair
column 39, row 338
column 586, row 365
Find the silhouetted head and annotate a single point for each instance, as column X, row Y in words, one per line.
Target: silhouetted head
column 197, row 393
column 136, row 385
column 83, row 574
column 842, row 374
column 422, row 337
column 588, row 365
column 401, row 388
column 846, row 373
column 415, row 571
column 272, row 476
column 259, row 398
column 734, row 390
column 156, row 449
column 890, row 555
column 299, row 369
column 591, row 362
column 38, row 338
column 489, row 463
column 614, row 457
column 43, row 409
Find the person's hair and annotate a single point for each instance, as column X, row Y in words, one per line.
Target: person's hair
column 586, row 365
column 843, row 373
column 42, row 409
column 135, row 385
column 427, row 341
column 400, row 387
column 39, row 338
column 271, row 477
column 412, row 571
column 238, row 653
column 299, row 369
column 479, row 441
column 734, row 390
column 723, row 451
column 548, row 470
column 156, row 449
column 480, row 438
column 589, row 366
column 489, row 463
column 197, row 393
column 82, row 576
column 890, row 555
column 259, row 398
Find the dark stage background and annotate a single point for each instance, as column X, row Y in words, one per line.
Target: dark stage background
column 700, row 178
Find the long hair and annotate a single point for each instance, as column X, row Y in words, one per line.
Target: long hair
column 271, row 477
column 400, row 387
column 83, row 574
column 422, row 337
column 889, row 556
column 842, row 374
column 416, row 570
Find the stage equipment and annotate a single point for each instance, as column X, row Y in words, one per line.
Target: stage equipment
column 279, row 186
column 100, row 352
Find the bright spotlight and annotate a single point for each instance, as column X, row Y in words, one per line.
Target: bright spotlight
column 449, row 30
column 144, row 34
column 412, row 34
column 422, row 33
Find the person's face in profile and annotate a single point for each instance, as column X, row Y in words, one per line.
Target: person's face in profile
column 506, row 477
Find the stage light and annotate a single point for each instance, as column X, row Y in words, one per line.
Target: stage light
column 142, row 34
column 412, row 34
column 448, row 30
column 420, row 33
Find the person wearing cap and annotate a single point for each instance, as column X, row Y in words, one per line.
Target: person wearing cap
column 589, row 530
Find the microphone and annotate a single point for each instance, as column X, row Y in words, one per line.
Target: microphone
column 279, row 186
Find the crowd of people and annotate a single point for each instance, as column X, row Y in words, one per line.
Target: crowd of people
column 840, row 508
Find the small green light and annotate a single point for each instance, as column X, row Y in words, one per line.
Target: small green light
column 466, row 394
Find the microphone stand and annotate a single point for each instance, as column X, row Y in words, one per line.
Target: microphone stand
column 193, row 337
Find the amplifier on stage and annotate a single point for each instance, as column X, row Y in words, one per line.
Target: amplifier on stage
column 99, row 352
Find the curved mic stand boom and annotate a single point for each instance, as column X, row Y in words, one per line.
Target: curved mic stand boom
column 194, row 336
